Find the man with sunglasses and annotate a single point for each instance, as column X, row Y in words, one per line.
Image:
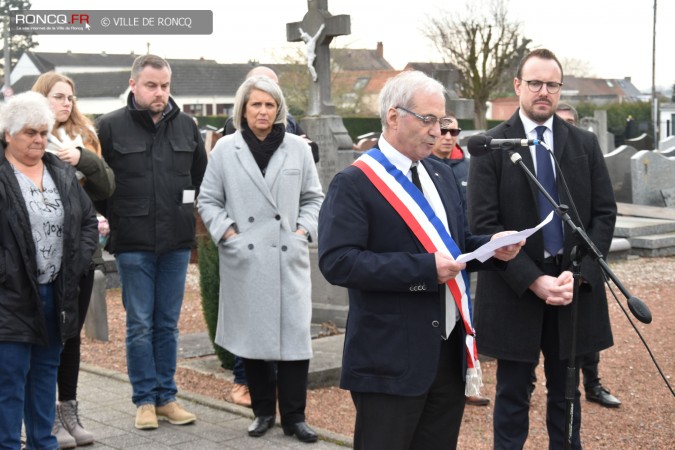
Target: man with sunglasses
column 449, row 152
column 527, row 309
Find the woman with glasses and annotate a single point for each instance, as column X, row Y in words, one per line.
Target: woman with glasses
column 74, row 141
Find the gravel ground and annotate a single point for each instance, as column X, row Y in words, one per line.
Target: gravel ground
column 645, row 420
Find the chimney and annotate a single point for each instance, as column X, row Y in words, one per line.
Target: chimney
column 380, row 50
column 627, row 79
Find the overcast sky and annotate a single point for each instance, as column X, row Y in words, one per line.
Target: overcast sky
column 613, row 38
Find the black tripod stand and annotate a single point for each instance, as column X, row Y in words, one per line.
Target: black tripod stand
column 584, row 247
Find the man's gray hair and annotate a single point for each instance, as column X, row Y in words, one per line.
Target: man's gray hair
column 564, row 106
column 400, row 90
column 29, row 109
column 143, row 61
column 244, row 93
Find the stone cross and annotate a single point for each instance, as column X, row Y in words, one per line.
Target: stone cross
column 317, row 30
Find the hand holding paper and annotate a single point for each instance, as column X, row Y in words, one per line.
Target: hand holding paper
column 487, row 250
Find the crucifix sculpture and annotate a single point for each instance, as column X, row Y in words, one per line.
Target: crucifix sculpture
column 317, row 30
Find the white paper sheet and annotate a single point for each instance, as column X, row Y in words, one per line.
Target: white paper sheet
column 486, row 251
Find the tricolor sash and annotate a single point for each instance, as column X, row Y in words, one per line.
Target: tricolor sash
column 419, row 216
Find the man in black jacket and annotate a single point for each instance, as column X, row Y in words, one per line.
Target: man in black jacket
column 159, row 160
column 526, row 309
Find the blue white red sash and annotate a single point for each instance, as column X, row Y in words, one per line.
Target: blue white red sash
column 417, row 213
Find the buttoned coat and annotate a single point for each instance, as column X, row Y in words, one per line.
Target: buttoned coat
column 508, row 315
column 392, row 340
column 265, row 302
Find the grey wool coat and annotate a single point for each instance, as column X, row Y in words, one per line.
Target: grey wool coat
column 265, row 305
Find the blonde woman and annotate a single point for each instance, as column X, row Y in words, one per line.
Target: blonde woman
column 73, row 139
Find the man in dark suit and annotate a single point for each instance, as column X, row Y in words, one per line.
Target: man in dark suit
column 526, row 308
column 403, row 362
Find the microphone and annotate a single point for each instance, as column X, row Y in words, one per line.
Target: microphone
column 482, row 144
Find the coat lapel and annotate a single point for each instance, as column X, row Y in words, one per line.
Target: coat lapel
column 276, row 164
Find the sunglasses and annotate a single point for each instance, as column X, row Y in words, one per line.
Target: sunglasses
column 454, row 132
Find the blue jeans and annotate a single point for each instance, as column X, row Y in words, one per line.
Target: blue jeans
column 28, row 385
column 152, row 293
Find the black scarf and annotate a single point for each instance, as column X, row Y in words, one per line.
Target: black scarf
column 262, row 151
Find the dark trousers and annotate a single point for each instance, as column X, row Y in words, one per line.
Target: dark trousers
column 512, row 404
column 288, row 378
column 69, row 368
column 427, row 422
column 589, row 369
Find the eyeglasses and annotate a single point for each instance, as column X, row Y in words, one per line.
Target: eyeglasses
column 454, row 132
column 427, row 121
column 62, row 97
column 535, row 86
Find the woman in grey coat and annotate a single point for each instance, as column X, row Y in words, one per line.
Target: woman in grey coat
column 260, row 201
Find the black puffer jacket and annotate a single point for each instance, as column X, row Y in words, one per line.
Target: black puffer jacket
column 153, row 166
column 21, row 315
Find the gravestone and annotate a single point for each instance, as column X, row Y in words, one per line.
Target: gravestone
column 668, row 153
column 598, row 126
column 619, row 166
column 96, row 320
column 600, row 115
column 642, row 142
column 317, row 29
column 651, row 173
column 667, row 143
column 668, row 197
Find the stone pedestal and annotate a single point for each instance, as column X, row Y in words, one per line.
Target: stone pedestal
column 329, row 303
column 96, row 322
column 335, row 145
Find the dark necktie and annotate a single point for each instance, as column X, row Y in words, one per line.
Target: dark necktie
column 415, row 176
column 553, row 235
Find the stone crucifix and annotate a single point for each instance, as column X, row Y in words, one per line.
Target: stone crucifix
column 311, row 49
column 317, row 30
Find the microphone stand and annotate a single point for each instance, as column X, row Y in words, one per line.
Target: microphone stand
column 584, row 247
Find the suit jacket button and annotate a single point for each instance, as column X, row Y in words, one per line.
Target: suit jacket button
column 278, row 217
column 435, row 324
column 250, row 246
column 284, row 248
column 251, row 219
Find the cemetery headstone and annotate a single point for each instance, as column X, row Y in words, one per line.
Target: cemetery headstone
column 642, row 142
column 619, row 166
column 651, row 173
column 667, row 143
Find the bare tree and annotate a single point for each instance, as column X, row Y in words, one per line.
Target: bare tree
column 484, row 45
column 577, row 67
column 18, row 43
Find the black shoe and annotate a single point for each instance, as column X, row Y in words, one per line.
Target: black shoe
column 260, row 425
column 303, row 432
column 599, row 394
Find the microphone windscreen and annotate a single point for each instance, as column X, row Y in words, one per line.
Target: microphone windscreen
column 479, row 144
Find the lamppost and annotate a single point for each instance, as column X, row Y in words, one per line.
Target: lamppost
column 655, row 108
